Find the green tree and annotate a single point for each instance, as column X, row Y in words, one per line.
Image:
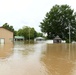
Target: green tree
column 6, row 25
column 32, row 33
column 27, row 32
column 57, row 22
column 39, row 34
column 20, row 32
column 15, row 33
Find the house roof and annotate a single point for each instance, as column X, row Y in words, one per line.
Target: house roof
column 39, row 38
column 19, row 37
column 6, row 29
column 57, row 37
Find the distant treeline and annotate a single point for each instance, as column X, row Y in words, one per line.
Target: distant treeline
column 25, row 31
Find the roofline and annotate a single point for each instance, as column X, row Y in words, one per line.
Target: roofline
column 6, row 29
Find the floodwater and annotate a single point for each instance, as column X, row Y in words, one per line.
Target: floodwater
column 38, row 59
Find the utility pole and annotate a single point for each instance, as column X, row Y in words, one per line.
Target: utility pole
column 69, row 34
column 29, row 35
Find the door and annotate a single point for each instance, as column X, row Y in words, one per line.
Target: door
column 2, row 41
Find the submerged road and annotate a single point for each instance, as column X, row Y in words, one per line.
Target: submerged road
column 38, row 59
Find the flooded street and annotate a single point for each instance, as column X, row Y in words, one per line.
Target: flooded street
column 38, row 59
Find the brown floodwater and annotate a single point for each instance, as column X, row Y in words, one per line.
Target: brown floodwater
column 38, row 59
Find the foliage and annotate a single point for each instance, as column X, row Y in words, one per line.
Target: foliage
column 6, row 25
column 39, row 34
column 57, row 22
column 15, row 33
column 27, row 32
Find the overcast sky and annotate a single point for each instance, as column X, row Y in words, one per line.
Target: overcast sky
column 19, row 13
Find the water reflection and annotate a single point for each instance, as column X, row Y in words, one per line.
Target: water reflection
column 23, row 49
column 60, row 59
column 6, row 50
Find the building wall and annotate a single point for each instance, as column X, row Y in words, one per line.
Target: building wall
column 57, row 41
column 6, row 35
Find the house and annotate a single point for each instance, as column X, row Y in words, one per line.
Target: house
column 39, row 39
column 6, row 36
column 57, row 39
column 19, row 38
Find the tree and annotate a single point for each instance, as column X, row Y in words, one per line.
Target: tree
column 15, row 33
column 39, row 34
column 57, row 22
column 27, row 32
column 6, row 25
column 20, row 32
